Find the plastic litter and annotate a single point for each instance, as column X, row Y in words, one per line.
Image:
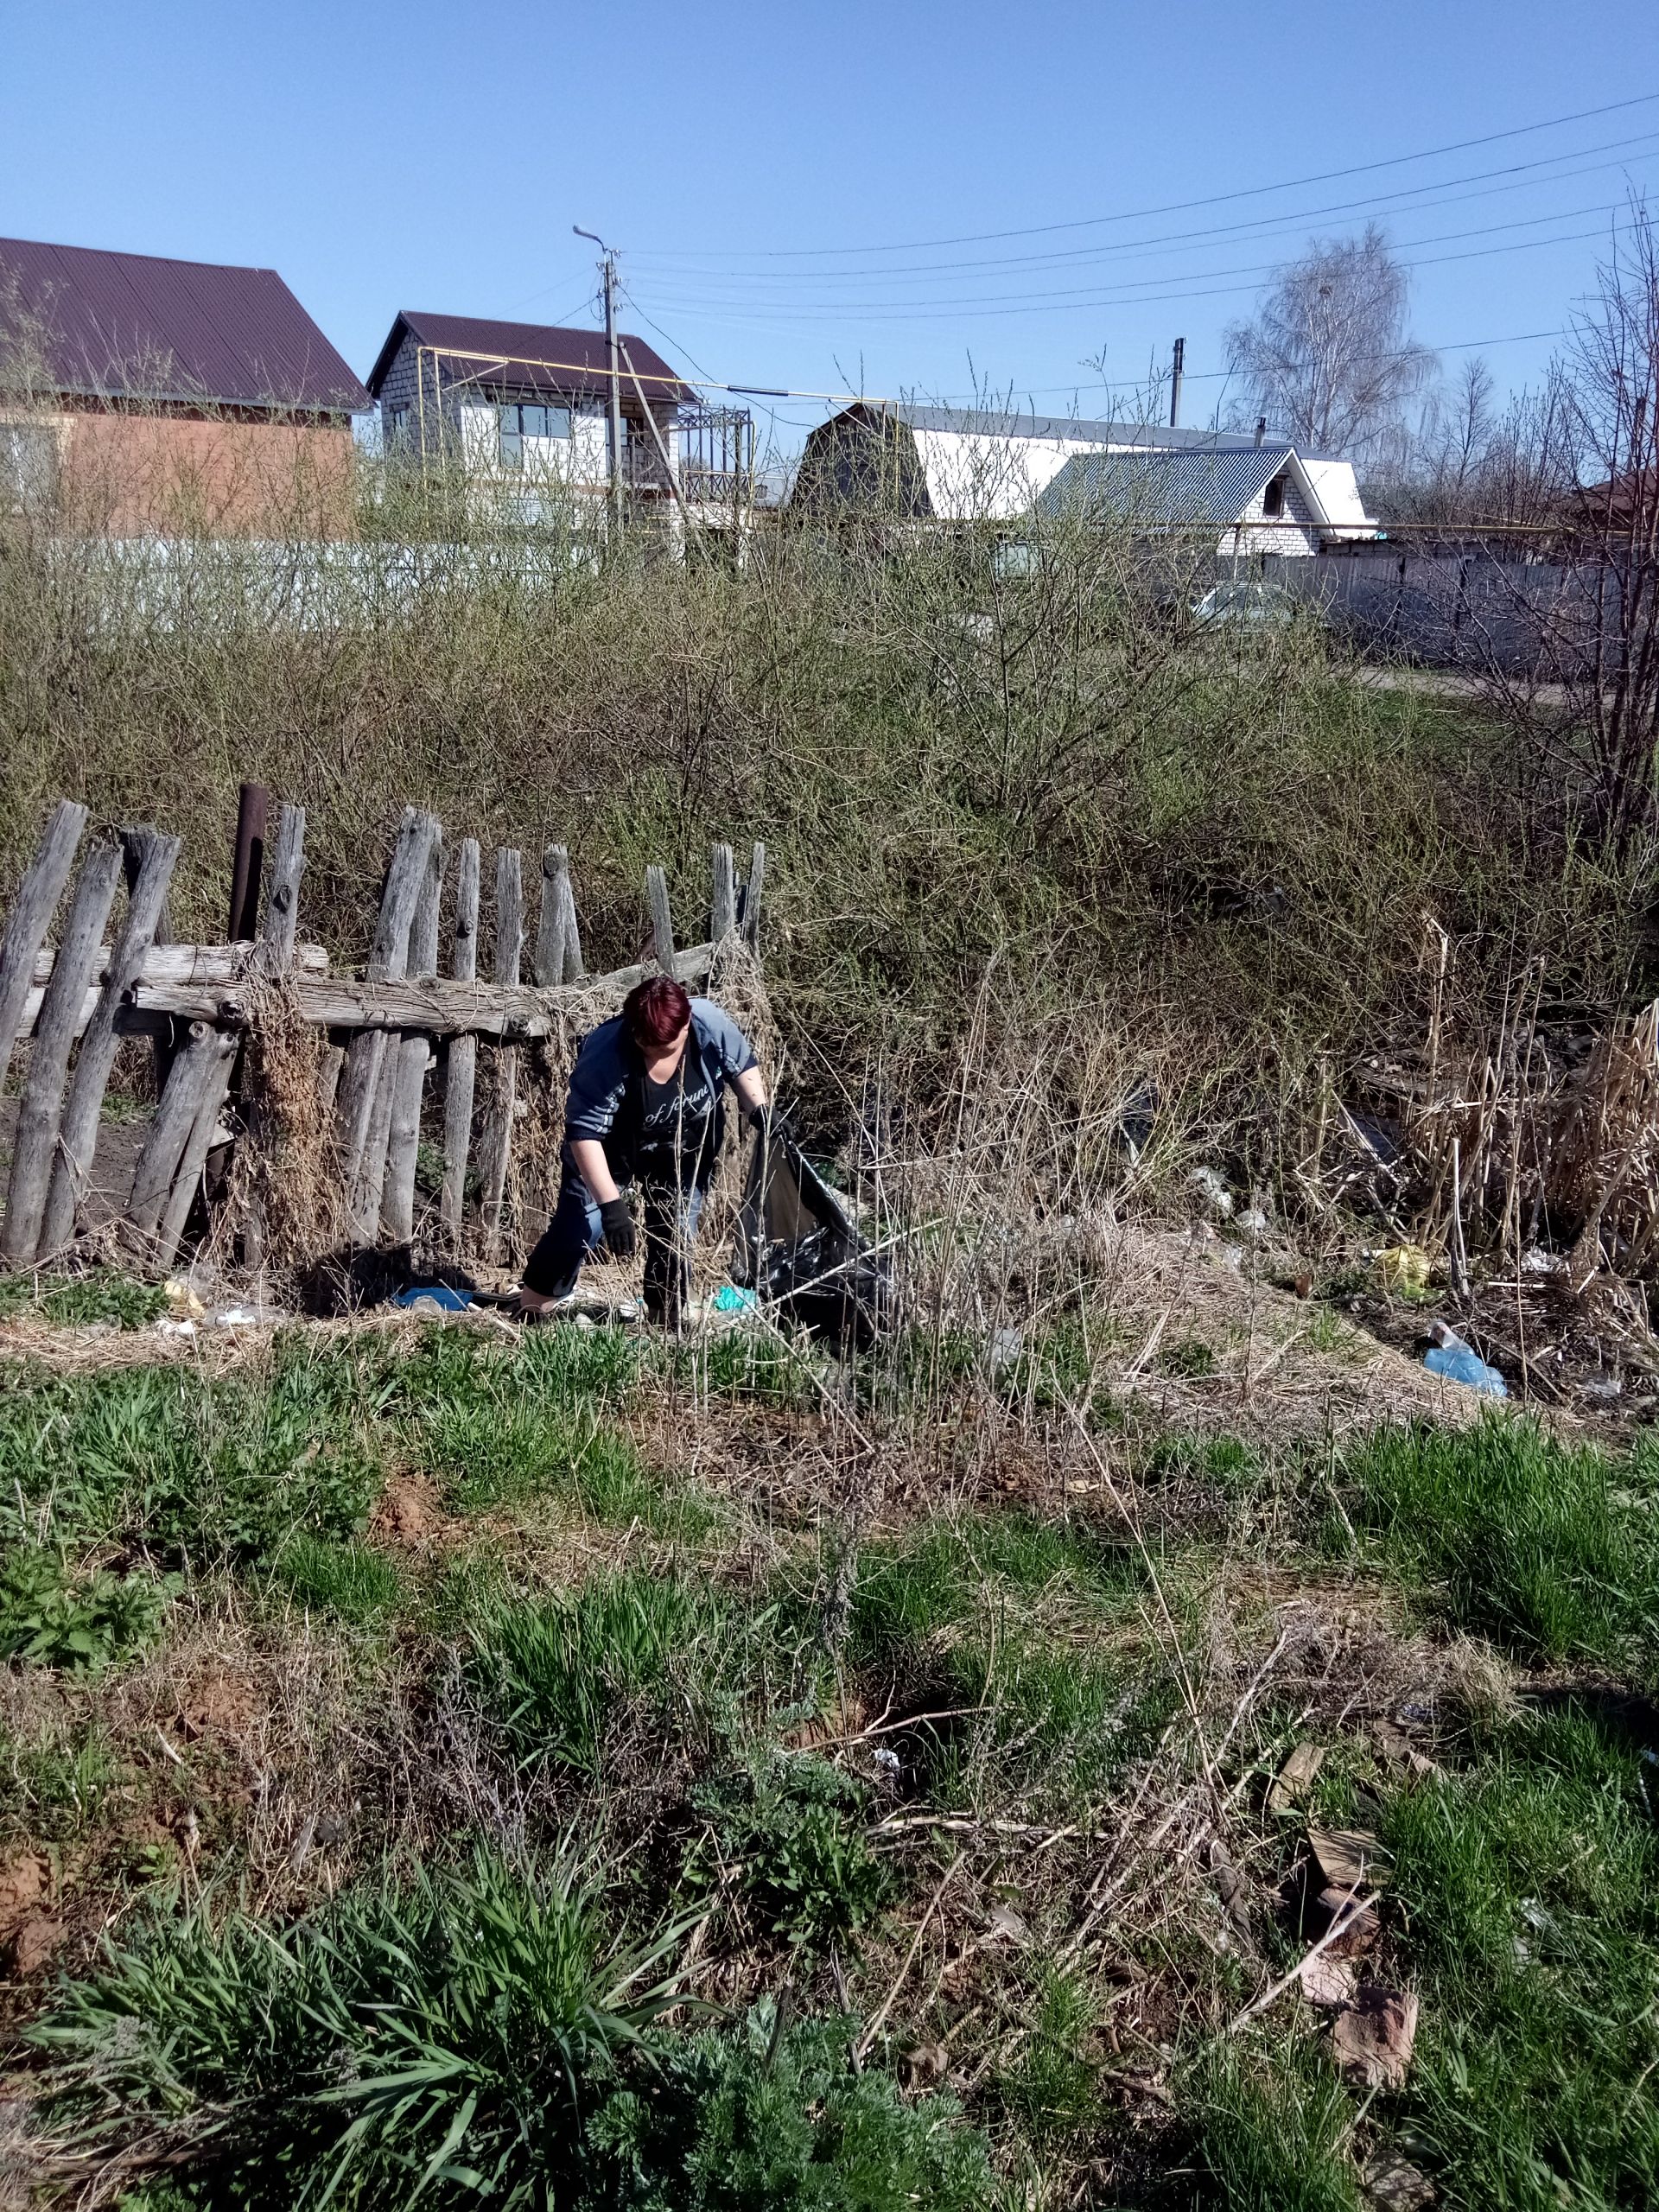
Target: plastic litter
column 731, row 1298
column 435, row 1298
column 1457, row 1362
column 167, row 1328
column 1404, row 1267
column 1212, row 1189
column 182, row 1302
column 798, row 1248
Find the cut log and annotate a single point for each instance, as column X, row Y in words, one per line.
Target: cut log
column 662, row 921
column 509, row 945
column 442, row 1009
column 414, row 1056
column 77, row 1139
column 461, row 1071
column 722, row 906
column 31, row 917
column 39, row 1115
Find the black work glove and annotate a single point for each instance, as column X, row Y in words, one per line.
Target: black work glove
column 761, row 1121
column 618, row 1228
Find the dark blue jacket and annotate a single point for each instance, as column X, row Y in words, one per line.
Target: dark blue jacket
column 608, row 1100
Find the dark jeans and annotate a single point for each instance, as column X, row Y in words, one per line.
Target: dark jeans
column 670, row 1226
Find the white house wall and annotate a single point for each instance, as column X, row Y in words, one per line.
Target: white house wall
column 976, row 476
column 1334, row 486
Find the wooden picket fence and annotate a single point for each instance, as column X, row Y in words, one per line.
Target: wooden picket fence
column 385, row 1033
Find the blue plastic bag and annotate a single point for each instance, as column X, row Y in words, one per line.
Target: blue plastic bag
column 1457, row 1362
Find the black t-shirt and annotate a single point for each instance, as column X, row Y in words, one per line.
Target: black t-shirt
column 674, row 1122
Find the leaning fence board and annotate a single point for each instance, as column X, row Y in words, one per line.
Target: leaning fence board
column 508, row 943
column 31, row 917
column 414, row 1056
column 360, row 1078
column 78, row 1138
column 461, row 1067
column 662, row 921
column 443, row 1008
column 39, row 1115
column 574, row 970
column 218, row 1051
column 170, row 1131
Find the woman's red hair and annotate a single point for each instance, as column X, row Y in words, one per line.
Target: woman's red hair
column 656, row 1011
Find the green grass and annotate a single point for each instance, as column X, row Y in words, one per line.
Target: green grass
column 1272, row 2133
column 55, row 1781
column 81, row 1620
column 793, row 1825
column 475, row 2032
column 1550, row 1549
column 347, row 1578
column 558, row 1674
column 1529, row 1888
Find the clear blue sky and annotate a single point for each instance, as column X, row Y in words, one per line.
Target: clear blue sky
column 435, row 156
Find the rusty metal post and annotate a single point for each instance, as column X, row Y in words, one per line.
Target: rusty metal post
column 248, row 863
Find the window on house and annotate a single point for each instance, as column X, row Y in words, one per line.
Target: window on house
column 524, row 419
column 1272, row 500
column 396, row 430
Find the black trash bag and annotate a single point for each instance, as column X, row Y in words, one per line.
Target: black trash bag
column 801, row 1251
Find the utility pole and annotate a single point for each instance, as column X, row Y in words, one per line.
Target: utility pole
column 1178, row 368
column 613, row 357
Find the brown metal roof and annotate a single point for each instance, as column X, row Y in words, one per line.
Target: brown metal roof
column 134, row 326
column 532, row 356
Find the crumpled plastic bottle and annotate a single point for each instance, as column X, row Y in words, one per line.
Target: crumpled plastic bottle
column 1457, row 1362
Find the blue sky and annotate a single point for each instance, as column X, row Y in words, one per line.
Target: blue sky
column 779, row 179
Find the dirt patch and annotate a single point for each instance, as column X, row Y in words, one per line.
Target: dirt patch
column 409, row 1511
column 220, row 1702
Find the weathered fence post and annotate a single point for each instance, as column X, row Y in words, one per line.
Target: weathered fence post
column 550, row 922
column 31, row 917
column 461, row 1066
column 662, row 922
column 509, row 941
column 171, row 1130
column 722, row 905
column 215, row 1056
column 408, row 1070
column 750, row 917
column 282, row 921
column 156, row 856
column 35, row 1147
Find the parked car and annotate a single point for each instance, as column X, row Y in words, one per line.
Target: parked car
column 1247, row 603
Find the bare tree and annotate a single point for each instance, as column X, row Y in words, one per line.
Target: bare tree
column 1327, row 357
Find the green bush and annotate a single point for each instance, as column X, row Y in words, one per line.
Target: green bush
column 1550, row 1548
column 50, row 1616
column 75, row 1301
column 796, row 1825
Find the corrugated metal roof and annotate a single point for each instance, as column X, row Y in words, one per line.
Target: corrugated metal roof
column 522, row 347
column 996, row 423
column 135, row 326
column 1215, row 485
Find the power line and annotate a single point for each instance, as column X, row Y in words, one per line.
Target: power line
column 1426, row 195
column 1108, row 295
column 1211, row 199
